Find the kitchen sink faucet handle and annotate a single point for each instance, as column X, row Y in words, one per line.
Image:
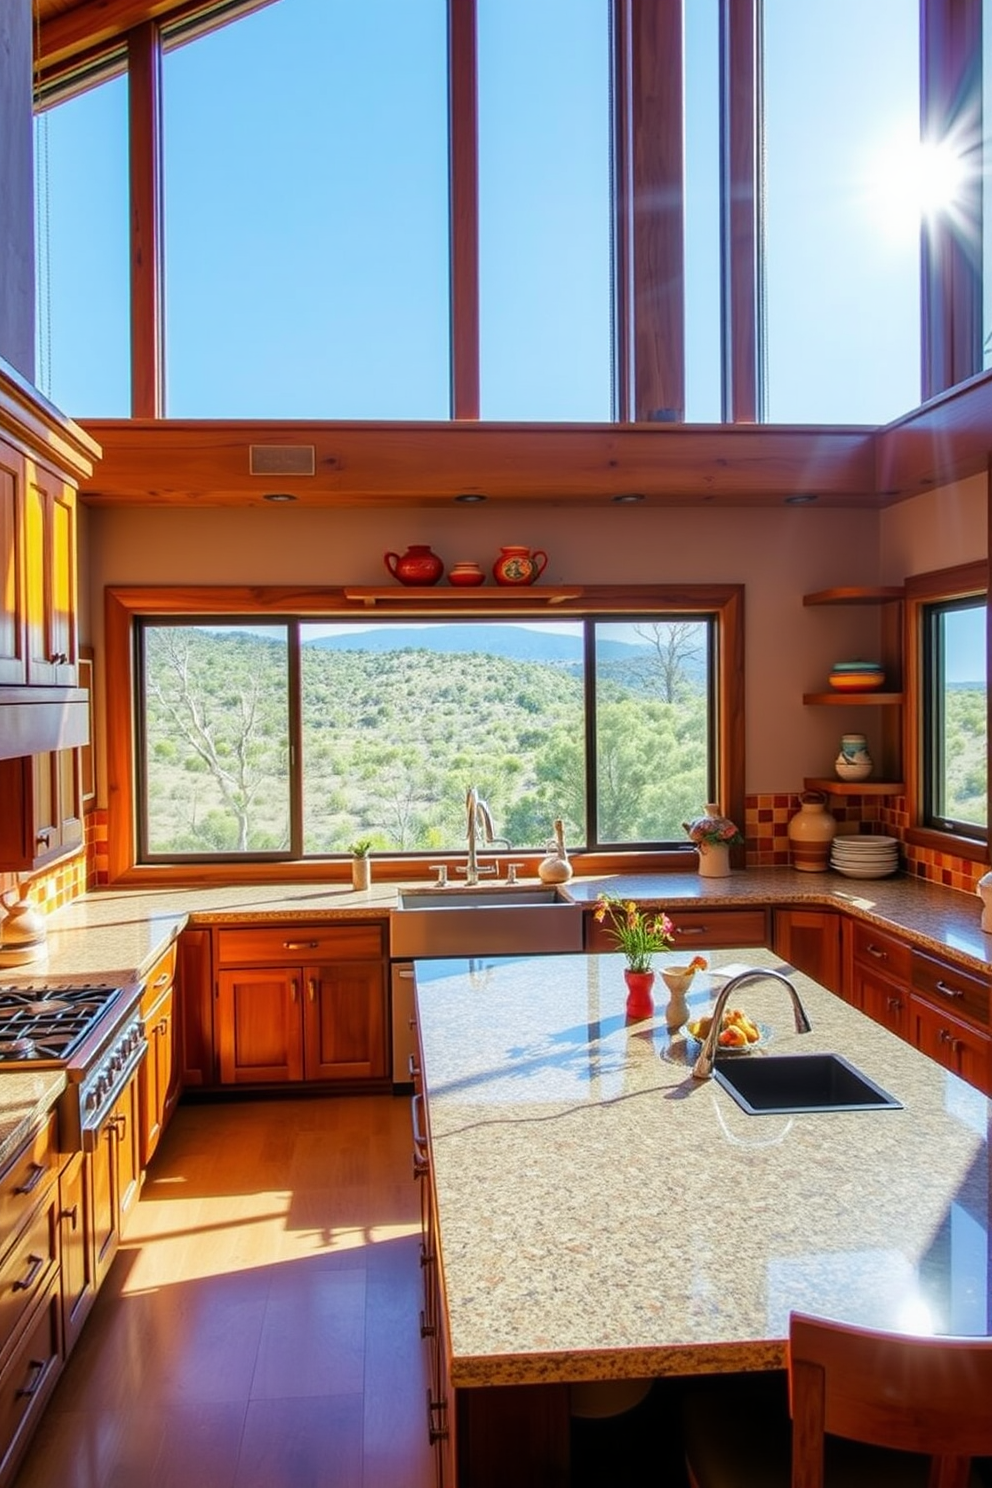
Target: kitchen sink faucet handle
column 511, row 872
column 441, row 869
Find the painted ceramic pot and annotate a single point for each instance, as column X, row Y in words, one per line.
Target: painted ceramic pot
column 465, row 575
column 519, row 565
column 417, row 566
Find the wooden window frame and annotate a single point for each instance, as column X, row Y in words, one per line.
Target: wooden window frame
column 923, row 590
column 124, row 606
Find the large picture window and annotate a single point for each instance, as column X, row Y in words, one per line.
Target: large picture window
column 955, row 736
column 294, row 738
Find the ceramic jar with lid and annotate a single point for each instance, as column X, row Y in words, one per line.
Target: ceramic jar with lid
column 465, row 575
column 854, row 762
column 519, row 565
column 417, row 567
column 811, row 831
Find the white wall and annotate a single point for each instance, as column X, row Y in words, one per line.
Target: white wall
column 777, row 554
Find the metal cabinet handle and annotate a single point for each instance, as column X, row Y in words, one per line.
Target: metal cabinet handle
column 301, row 945
column 45, row 836
column 27, row 1282
column 877, row 952
column 160, row 981
column 38, row 1367
column 947, row 991
column 70, row 1214
column 294, row 990
column 691, row 929
column 38, row 1170
column 312, row 989
column 427, row 1330
column 893, row 1004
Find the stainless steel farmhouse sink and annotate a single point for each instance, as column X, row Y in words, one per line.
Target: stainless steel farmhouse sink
column 792, row 1084
column 496, row 921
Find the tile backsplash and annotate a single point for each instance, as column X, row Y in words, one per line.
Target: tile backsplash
column 767, row 824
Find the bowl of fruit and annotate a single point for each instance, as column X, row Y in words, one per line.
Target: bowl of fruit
column 738, row 1034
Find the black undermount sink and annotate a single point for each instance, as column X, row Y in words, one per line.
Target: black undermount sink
column 791, row 1084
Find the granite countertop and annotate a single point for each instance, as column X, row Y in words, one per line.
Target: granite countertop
column 115, row 934
column 603, row 1215
column 25, row 1099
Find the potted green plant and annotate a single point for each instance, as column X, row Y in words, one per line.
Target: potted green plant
column 361, row 863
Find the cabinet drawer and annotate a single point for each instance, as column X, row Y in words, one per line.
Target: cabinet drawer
column 955, row 1045
column 28, row 1267
column 24, row 1183
column 944, row 985
column 298, row 944
column 28, row 1379
column 722, row 927
column 881, row 952
column 159, row 979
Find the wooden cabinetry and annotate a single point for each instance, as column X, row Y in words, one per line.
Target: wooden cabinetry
column 300, row 1003
column 194, row 1012
column 43, row 456
column 30, row 1305
column 78, row 1291
column 886, row 749
column 440, row 1417
column 115, row 1170
column 43, row 815
column 809, row 940
column 938, row 1007
column 157, row 1088
column 696, row 928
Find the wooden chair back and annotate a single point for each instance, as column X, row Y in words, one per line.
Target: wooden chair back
column 926, row 1395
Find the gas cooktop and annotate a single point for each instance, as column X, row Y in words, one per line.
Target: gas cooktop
column 49, row 1022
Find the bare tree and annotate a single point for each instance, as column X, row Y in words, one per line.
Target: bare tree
column 234, row 767
column 675, row 643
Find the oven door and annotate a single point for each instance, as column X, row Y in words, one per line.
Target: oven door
column 97, row 1093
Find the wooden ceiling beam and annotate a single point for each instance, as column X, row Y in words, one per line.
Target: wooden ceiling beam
column 69, row 32
column 190, row 463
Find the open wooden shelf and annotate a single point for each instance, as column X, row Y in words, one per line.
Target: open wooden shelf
column 854, row 595
column 855, row 699
column 833, row 787
column 445, row 594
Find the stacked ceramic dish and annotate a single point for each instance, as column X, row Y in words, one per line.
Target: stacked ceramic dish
column 865, row 856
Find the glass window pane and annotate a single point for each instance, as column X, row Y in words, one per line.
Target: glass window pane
column 652, row 728
column 399, row 720
column 958, row 685
column 216, row 739
column 306, row 197
column 84, row 337
column 842, row 227
column 703, row 399
column 544, row 209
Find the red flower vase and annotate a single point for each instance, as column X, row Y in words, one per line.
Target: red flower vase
column 640, row 1003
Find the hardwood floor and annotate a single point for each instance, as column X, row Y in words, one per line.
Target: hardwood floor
column 259, row 1327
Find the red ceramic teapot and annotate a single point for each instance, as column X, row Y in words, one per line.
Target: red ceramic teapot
column 418, row 565
column 519, row 565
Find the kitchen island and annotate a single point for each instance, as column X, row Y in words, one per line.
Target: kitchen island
column 601, row 1215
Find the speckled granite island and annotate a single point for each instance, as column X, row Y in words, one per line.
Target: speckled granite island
column 603, row 1215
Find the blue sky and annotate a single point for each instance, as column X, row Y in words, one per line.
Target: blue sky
column 306, row 202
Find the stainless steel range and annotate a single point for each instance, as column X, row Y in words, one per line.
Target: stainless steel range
column 91, row 1030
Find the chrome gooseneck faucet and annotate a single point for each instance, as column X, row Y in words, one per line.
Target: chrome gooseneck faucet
column 703, row 1067
column 479, row 822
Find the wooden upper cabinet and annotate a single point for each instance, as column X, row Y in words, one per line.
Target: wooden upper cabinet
column 50, row 609
column 13, row 661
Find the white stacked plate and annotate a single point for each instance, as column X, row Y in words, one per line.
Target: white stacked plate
column 865, row 856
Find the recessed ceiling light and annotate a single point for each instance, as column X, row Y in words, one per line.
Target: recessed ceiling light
column 278, row 496
column 803, row 498
column 470, row 498
column 627, row 498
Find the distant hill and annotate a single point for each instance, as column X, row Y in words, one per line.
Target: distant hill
column 516, row 643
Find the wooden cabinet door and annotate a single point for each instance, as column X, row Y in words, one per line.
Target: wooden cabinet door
column 128, row 1129
column 810, row 941
column 50, row 563
column 13, row 658
column 155, row 1076
column 260, row 1026
column 75, row 1224
column 954, row 1044
column 42, row 818
column 104, row 1205
column 345, row 1010
column 886, row 1002
column 194, row 1014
